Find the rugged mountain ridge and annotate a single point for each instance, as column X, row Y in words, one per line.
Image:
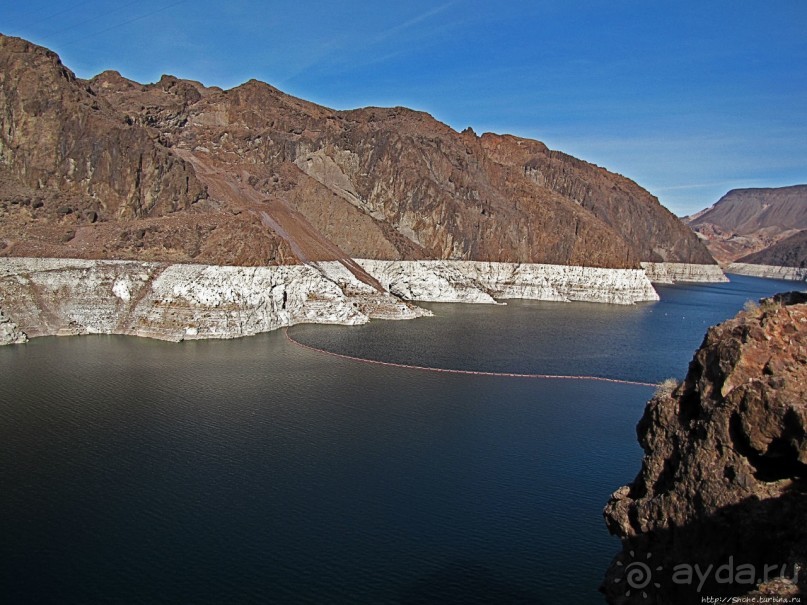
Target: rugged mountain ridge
column 80, row 179
column 789, row 252
column 723, row 483
column 786, row 259
column 745, row 222
column 178, row 172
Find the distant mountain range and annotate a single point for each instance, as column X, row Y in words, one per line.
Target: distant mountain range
column 757, row 226
column 789, row 252
column 176, row 171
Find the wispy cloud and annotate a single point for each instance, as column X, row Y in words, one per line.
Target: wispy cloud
column 347, row 51
column 393, row 31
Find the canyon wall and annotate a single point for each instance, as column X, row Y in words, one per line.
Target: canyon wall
column 787, row 252
column 754, row 226
column 178, row 172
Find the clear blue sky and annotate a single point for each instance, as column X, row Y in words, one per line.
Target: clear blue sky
column 689, row 98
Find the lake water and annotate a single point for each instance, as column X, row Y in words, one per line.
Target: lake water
column 255, row 471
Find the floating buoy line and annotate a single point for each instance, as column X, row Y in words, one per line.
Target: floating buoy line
column 465, row 372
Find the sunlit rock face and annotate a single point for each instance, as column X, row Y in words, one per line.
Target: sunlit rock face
column 766, row 226
column 182, row 173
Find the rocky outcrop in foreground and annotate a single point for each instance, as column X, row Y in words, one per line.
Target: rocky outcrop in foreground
column 720, row 505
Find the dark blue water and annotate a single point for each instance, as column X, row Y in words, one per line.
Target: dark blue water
column 645, row 342
column 253, row 471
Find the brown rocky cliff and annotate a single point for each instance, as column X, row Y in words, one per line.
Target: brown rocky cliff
column 57, row 134
column 657, row 234
column 444, row 193
column 746, row 221
column 724, row 476
column 177, row 171
column 79, row 178
column 388, row 183
column 384, row 183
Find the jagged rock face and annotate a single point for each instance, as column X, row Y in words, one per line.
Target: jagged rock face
column 80, row 179
column 747, row 221
column 296, row 181
column 656, row 233
column 397, row 183
column 56, row 134
column 724, row 477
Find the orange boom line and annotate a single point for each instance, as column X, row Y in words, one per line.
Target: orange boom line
column 468, row 372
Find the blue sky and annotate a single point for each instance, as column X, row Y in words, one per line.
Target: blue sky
column 690, row 99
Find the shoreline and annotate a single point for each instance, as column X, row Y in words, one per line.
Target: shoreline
column 407, row 366
column 768, row 271
column 175, row 302
column 671, row 273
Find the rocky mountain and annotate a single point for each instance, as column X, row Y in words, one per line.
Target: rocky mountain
column 178, row 172
column 746, row 221
column 719, row 507
column 789, row 252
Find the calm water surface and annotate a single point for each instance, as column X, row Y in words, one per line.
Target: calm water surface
column 254, row 471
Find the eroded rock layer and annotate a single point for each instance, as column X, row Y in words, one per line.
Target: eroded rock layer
column 183, row 301
column 768, row 271
column 171, row 301
column 668, row 273
column 10, row 333
column 476, row 281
